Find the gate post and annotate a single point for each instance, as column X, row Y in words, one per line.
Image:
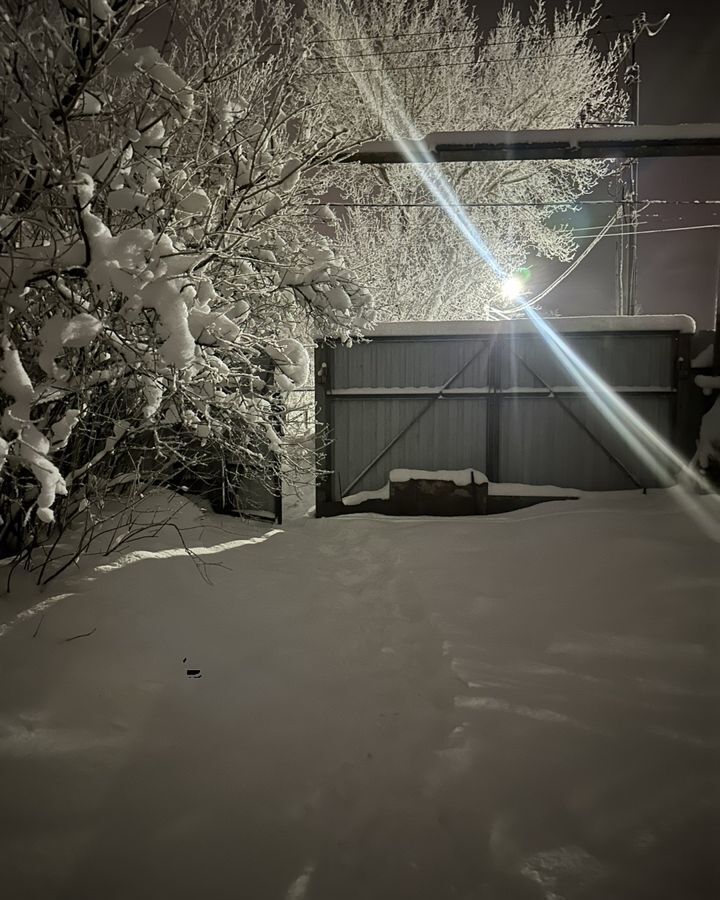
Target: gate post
column 323, row 428
column 494, row 398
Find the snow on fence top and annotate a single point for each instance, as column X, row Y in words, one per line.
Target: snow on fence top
column 570, row 324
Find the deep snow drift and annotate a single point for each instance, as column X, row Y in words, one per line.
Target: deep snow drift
column 517, row 706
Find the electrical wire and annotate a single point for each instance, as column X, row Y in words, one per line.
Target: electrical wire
column 660, row 230
column 571, row 268
column 473, row 46
column 562, row 204
column 375, row 37
column 472, row 62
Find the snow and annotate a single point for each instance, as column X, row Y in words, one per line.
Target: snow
column 496, row 707
column 704, row 359
column 126, row 199
column 58, row 332
column 15, row 382
column 119, row 262
column 153, row 393
column 460, row 477
column 382, row 493
column 708, row 383
column 575, row 136
column 509, row 489
column 563, row 325
column 148, row 59
column 196, row 203
column 62, row 429
column 34, row 449
column 499, row 489
column 290, row 175
column 292, row 362
column 31, row 445
column 88, row 104
column 708, row 447
column 553, row 139
column 207, row 326
column 101, row 9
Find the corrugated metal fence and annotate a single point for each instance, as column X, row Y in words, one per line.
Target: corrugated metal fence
column 501, row 403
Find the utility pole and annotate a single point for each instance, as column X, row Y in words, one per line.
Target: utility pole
column 626, row 241
column 630, row 213
column 716, row 345
column 620, row 292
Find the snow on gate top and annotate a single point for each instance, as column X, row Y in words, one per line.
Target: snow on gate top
column 571, row 324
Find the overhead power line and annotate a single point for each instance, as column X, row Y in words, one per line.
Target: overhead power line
column 561, row 204
column 377, row 37
column 585, row 237
column 469, row 62
column 642, row 25
column 473, row 46
column 571, row 268
column 605, row 232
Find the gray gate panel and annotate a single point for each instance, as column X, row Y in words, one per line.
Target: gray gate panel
column 411, row 363
column 529, row 436
column 541, row 444
column 657, row 410
column 622, row 359
column 450, row 435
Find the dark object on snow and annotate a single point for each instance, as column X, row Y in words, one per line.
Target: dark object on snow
column 194, row 673
column 434, row 497
column 76, row 636
column 495, row 504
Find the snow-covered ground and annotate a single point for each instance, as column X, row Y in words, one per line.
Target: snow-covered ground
column 517, row 706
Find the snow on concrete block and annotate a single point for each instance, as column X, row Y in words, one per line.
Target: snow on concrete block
column 415, row 492
column 708, row 383
column 460, row 477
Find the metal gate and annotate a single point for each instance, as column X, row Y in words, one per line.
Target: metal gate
column 497, row 400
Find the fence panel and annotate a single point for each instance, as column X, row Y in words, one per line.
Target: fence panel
column 511, row 408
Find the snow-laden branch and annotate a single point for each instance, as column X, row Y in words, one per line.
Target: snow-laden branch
column 160, row 270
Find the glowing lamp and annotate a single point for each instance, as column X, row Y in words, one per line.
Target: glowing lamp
column 512, row 287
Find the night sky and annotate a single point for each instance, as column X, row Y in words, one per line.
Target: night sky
column 680, row 72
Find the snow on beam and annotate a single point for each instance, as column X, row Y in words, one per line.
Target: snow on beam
column 564, row 143
column 566, row 325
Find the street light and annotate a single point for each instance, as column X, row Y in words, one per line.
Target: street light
column 512, row 287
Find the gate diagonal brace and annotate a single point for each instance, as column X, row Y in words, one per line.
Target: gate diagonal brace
column 484, row 349
column 578, row 421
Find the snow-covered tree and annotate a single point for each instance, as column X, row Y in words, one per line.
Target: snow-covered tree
column 160, row 263
column 410, row 68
